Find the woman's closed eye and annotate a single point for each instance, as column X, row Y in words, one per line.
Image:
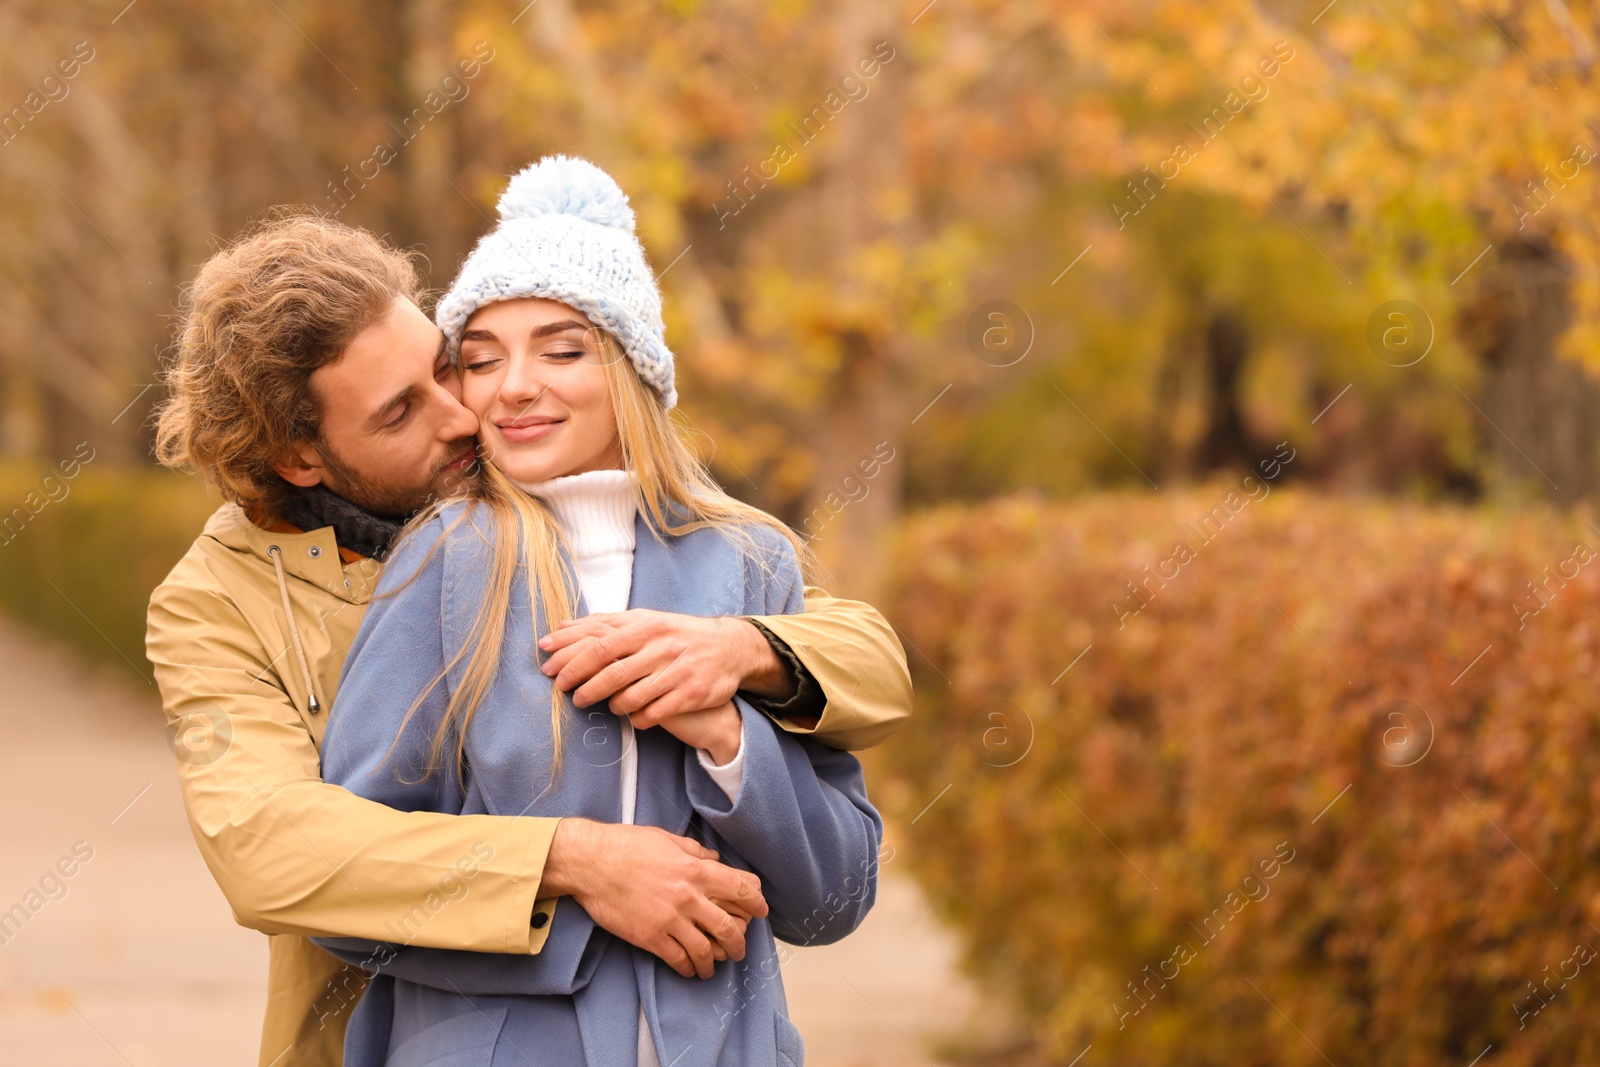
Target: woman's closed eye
column 478, row 363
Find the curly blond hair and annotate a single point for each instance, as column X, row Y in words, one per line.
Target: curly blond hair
column 285, row 298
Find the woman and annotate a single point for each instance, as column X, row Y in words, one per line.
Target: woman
column 590, row 501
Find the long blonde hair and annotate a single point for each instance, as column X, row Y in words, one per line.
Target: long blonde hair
column 656, row 448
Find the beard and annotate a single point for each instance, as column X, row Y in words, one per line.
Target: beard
column 390, row 500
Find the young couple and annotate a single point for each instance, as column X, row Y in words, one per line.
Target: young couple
column 589, row 753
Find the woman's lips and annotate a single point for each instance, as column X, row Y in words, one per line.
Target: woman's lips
column 519, row 430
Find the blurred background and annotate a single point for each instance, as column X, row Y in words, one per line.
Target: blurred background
column 1207, row 392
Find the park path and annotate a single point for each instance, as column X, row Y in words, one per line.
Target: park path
column 135, row 961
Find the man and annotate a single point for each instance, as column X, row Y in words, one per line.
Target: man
column 310, row 389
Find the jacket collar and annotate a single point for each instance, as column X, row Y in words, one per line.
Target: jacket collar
column 311, row 556
column 359, row 532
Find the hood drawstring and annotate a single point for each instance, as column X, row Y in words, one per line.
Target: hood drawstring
column 294, row 631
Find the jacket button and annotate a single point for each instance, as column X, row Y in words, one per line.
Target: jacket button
column 539, row 920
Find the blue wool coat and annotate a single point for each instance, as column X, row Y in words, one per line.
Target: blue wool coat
column 802, row 821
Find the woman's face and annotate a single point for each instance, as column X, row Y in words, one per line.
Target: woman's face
column 532, row 372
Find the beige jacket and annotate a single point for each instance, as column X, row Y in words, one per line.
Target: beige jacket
column 246, row 688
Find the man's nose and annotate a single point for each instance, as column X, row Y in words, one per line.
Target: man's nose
column 458, row 421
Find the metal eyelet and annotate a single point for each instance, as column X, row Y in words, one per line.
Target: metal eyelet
column 315, row 551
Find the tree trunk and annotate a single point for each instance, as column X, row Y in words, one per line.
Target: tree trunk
column 857, row 493
column 432, row 207
column 1226, row 441
column 1540, row 412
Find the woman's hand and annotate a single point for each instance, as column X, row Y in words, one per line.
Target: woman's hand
column 717, row 730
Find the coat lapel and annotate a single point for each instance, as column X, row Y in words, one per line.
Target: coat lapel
column 678, row 576
column 667, row 577
column 512, row 765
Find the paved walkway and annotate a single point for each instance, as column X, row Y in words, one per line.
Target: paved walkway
column 133, row 960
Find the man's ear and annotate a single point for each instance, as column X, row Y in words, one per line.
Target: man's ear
column 302, row 467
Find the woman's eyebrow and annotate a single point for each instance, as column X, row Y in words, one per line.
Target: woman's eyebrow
column 557, row 327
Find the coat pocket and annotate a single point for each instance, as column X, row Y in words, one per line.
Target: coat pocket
column 791, row 1050
column 465, row 1040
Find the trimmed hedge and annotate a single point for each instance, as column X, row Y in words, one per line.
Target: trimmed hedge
column 1330, row 792
column 80, row 555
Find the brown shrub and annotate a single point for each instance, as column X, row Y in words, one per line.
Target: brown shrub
column 1439, row 862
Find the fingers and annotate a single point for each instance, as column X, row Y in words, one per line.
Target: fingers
column 558, row 659
column 590, row 657
column 697, row 945
column 664, row 704
column 575, row 639
column 738, row 888
column 659, row 697
column 666, row 898
column 678, row 688
column 571, row 631
column 598, row 616
column 673, row 955
column 739, row 911
column 724, row 932
column 578, row 661
column 613, row 672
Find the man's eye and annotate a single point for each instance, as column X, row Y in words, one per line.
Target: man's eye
column 395, row 422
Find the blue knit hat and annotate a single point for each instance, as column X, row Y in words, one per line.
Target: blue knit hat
column 566, row 234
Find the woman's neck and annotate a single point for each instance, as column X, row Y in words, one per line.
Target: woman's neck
column 596, row 509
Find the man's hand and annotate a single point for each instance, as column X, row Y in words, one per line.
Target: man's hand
column 656, row 664
column 664, row 893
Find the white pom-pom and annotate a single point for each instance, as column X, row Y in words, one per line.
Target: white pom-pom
column 566, row 185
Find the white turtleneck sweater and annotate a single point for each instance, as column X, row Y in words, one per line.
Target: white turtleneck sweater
column 596, row 511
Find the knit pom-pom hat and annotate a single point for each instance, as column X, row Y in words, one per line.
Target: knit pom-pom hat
column 566, row 234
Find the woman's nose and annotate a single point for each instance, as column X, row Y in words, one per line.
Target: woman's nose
column 523, row 384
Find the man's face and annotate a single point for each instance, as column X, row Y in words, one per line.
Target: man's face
column 394, row 433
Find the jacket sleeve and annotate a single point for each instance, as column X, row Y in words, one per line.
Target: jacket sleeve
column 296, row 855
column 853, row 653
column 562, row 968
column 800, row 817
column 392, row 699
column 802, row 822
